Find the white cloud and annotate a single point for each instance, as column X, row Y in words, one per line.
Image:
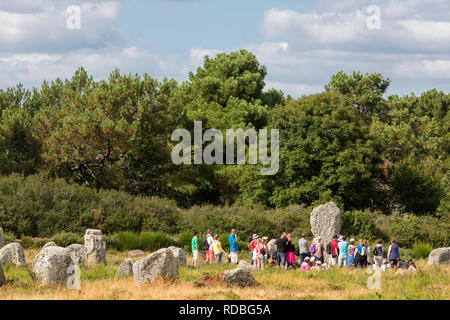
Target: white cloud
column 32, row 69
column 431, row 69
column 43, row 26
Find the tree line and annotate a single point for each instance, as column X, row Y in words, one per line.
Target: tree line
column 351, row 144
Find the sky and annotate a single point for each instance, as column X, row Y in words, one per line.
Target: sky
column 301, row 43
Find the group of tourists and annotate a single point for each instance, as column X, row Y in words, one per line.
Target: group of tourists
column 281, row 252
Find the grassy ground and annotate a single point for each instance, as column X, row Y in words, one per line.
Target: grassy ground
column 429, row 282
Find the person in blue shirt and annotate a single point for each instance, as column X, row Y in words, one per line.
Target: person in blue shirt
column 233, row 246
column 361, row 254
column 343, row 251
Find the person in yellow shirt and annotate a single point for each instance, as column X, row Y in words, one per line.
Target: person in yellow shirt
column 217, row 248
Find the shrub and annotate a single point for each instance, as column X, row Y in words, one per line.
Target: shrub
column 147, row 241
column 184, row 240
column 422, row 249
column 26, row 242
column 64, row 239
column 407, row 231
column 359, row 224
column 9, row 237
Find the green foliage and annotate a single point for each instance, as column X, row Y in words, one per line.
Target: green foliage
column 26, row 242
column 422, row 249
column 64, row 239
column 326, row 153
column 80, row 153
column 146, row 241
column 9, row 237
column 407, row 231
column 414, row 189
column 359, row 224
column 184, row 240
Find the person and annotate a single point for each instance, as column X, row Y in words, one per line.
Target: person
column 290, row 252
column 209, row 251
column 233, row 246
column 368, row 252
column 253, row 244
column 412, row 266
column 281, row 247
column 303, row 248
column 334, row 251
column 217, row 249
column 265, row 249
column 319, row 250
column 194, row 247
column 360, row 254
column 305, row 266
column 378, row 254
column 351, row 252
column 258, row 254
column 343, row 252
column 393, row 254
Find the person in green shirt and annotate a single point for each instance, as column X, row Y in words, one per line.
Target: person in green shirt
column 195, row 249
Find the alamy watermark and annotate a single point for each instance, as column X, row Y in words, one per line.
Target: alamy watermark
column 373, row 22
column 214, row 154
column 73, row 22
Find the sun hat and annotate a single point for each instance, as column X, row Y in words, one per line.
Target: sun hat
column 255, row 236
column 319, row 263
column 341, row 238
column 306, row 259
column 265, row 238
column 352, row 240
column 313, row 258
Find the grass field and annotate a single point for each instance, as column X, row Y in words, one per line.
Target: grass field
column 205, row 282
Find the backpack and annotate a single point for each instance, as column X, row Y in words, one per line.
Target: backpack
column 312, row 248
column 251, row 245
column 205, row 245
column 329, row 248
column 363, row 251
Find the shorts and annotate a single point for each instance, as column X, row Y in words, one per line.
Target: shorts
column 234, row 257
column 209, row 255
column 195, row 254
column 342, row 261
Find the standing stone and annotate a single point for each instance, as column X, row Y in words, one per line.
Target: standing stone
column 52, row 265
column 160, row 263
column 239, row 277
column 96, row 247
column 325, row 222
column 135, row 253
column 2, row 275
column 179, row 254
column 246, row 266
column 271, row 247
column 440, row 255
column 49, row 244
column 125, row 269
column 12, row 252
column 2, row 239
column 77, row 253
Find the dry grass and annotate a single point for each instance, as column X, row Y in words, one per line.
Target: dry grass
column 429, row 282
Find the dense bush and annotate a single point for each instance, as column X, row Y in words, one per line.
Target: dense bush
column 360, row 225
column 9, row 237
column 407, row 231
column 422, row 249
column 64, row 239
column 146, row 241
column 26, row 242
column 38, row 206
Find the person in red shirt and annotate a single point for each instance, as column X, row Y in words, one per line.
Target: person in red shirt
column 334, row 251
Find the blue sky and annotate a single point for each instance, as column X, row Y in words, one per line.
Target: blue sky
column 302, row 43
